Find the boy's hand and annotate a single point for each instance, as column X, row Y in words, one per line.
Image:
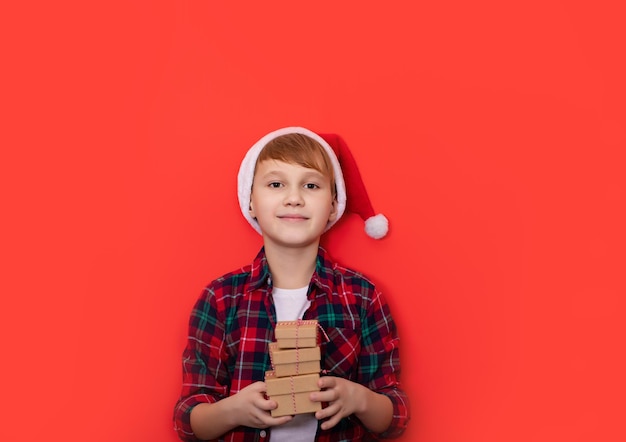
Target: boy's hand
column 253, row 409
column 344, row 398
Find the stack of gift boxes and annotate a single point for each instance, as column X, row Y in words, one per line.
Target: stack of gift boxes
column 295, row 358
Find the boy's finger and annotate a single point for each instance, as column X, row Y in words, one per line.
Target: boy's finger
column 323, row 396
column 267, row 404
column 326, row 382
column 281, row 420
column 330, row 423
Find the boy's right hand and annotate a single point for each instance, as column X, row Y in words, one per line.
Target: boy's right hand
column 253, row 409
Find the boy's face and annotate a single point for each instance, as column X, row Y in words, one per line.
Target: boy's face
column 292, row 204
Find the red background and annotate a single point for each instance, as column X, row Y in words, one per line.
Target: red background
column 490, row 133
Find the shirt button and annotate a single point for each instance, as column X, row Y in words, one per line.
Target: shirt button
column 262, row 433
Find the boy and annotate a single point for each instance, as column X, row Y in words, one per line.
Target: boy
column 292, row 189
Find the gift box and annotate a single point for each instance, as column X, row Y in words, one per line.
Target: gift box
column 290, row 384
column 291, row 393
column 296, row 334
column 297, row 361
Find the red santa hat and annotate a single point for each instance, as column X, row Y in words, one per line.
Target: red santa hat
column 351, row 193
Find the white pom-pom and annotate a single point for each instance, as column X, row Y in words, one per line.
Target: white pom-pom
column 377, row 226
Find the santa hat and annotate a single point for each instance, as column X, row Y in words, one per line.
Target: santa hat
column 351, row 193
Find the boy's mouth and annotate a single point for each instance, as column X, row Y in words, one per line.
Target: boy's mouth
column 292, row 217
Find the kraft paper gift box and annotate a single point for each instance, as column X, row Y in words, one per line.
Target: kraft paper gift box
column 291, row 393
column 296, row 334
column 292, row 362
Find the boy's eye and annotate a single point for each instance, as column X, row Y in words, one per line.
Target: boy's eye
column 311, row 186
column 274, row 185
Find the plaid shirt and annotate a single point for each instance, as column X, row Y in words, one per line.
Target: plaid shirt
column 233, row 322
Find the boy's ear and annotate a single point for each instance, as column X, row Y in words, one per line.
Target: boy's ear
column 251, row 211
column 333, row 211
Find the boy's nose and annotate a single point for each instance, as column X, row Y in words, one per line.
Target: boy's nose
column 294, row 197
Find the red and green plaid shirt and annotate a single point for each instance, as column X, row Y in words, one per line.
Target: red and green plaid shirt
column 233, row 322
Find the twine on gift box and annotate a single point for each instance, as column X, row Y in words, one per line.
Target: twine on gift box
column 300, row 322
column 272, row 360
column 323, row 332
column 297, row 361
column 293, row 395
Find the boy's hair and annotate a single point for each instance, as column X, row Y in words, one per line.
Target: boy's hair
column 302, row 150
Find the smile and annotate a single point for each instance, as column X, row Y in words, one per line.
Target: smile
column 292, row 217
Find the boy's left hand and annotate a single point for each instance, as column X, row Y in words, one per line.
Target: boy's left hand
column 344, row 398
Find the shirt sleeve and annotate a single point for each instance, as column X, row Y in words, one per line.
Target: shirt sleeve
column 205, row 378
column 379, row 365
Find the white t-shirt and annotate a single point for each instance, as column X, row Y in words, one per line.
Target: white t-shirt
column 290, row 305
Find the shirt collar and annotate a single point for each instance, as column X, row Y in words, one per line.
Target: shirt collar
column 324, row 276
column 259, row 271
